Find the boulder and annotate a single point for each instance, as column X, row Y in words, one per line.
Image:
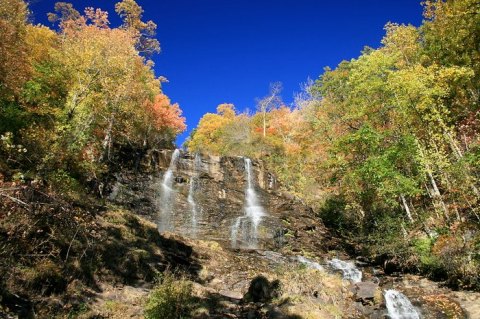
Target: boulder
column 262, row 290
column 365, row 292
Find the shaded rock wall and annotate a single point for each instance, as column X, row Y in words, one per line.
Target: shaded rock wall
column 219, row 194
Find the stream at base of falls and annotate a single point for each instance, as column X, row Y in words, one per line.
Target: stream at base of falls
column 399, row 306
column 403, row 297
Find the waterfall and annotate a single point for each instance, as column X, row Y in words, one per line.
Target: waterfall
column 191, row 193
column 166, row 190
column 350, row 272
column 398, row 306
column 309, row 263
column 253, row 213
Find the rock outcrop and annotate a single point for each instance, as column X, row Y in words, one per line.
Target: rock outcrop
column 219, row 195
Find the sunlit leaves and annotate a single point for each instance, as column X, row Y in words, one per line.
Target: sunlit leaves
column 144, row 32
column 165, row 117
column 14, row 66
column 208, row 134
column 85, row 91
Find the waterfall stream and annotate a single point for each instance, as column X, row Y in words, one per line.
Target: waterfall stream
column 191, row 194
column 398, row 306
column 309, row 263
column 166, row 190
column 350, row 272
column 248, row 224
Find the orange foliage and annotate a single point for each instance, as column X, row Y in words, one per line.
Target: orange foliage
column 166, row 115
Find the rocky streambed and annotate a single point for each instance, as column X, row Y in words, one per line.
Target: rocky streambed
column 317, row 288
column 240, row 283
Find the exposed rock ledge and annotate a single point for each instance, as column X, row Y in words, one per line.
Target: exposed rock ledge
column 220, row 197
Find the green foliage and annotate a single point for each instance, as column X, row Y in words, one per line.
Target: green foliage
column 66, row 185
column 47, row 90
column 12, row 117
column 384, row 236
column 170, row 299
column 334, row 215
column 81, row 94
column 386, row 145
column 428, row 262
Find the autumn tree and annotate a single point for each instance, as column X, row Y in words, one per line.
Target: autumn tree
column 143, row 32
column 89, row 91
column 164, row 120
column 208, row 134
column 386, row 146
column 14, row 66
column 65, row 15
column 271, row 101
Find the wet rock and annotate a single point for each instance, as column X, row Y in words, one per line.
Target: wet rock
column 180, row 180
column 219, row 195
column 365, row 292
column 361, row 261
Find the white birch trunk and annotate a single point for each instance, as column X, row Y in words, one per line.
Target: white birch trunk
column 407, row 209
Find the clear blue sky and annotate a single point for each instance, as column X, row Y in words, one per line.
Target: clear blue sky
column 217, row 51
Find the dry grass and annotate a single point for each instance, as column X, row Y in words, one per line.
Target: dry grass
column 309, row 293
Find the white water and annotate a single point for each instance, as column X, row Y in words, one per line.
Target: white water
column 398, row 306
column 309, row 263
column 350, row 272
column 253, row 213
column 191, row 194
column 166, row 190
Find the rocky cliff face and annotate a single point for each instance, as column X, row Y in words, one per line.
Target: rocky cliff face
column 208, row 195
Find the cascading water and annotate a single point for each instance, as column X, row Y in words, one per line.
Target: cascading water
column 398, row 306
column 249, row 222
column 309, row 263
column 350, row 272
column 191, row 194
column 166, row 190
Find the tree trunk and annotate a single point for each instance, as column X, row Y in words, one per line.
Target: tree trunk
column 107, row 141
column 264, row 124
column 407, row 209
column 437, row 196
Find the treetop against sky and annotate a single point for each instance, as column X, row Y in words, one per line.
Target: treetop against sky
column 217, row 51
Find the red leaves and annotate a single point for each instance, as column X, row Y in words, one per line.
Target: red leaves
column 164, row 115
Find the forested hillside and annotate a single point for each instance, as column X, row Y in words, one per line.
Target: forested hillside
column 78, row 102
column 73, row 97
column 386, row 146
column 373, row 172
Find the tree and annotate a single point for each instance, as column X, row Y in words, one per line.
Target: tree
column 144, row 32
column 208, row 135
column 14, row 66
column 271, row 101
column 112, row 96
column 164, row 121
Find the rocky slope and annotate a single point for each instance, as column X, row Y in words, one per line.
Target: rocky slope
column 101, row 261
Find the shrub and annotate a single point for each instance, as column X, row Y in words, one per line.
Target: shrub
column 456, row 254
column 429, row 263
column 334, row 215
column 170, row 299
